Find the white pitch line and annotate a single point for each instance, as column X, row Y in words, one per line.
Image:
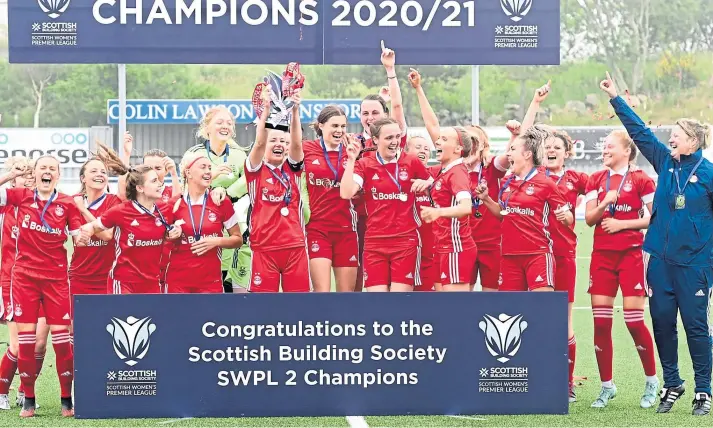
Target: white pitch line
column 466, row 417
column 173, row 420
column 357, row 422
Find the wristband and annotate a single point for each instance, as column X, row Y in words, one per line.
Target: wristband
column 391, row 77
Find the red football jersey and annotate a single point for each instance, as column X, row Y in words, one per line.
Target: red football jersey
column 38, row 248
column 186, row 266
column 571, row 184
column 139, row 239
column 369, row 152
column 269, row 228
column 486, row 228
column 425, row 231
column 452, row 184
column 636, row 191
column 8, row 241
column 93, row 262
column 325, row 169
column 526, row 228
column 389, row 217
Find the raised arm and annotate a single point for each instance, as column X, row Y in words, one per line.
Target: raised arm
column 296, row 153
column 388, row 59
column 258, row 151
column 429, row 116
column 531, row 114
column 653, row 150
column 104, row 235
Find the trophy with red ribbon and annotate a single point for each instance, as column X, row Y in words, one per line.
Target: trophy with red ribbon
column 283, row 88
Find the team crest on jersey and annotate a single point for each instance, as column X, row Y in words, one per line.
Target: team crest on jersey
column 15, row 232
column 373, row 190
column 59, row 211
column 264, row 190
column 315, row 247
column 26, row 221
column 257, row 280
column 403, row 175
column 438, row 185
column 530, row 190
column 18, row 310
column 500, row 279
column 157, row 222
column 627, row 186
column 130, row 240
column 212, row 217
column 365, row 275
column 570, row 186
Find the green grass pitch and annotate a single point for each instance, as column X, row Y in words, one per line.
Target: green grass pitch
column 623, row 411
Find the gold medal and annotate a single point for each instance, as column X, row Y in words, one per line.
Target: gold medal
column 478, row 214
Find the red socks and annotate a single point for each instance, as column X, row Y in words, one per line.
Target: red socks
column 8, row 365
column 65, row 361
column 572, row 348
column 642, row 339
column 603, row 347
column 26, row 363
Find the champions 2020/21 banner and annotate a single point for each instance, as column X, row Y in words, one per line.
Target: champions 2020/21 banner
column 154, row 112
column 422, row 32
column 331, row 354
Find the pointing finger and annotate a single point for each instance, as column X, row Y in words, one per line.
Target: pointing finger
column 382, row 45
column 608, row 76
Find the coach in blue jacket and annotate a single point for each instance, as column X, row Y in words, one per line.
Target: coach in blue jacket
column 680, row 244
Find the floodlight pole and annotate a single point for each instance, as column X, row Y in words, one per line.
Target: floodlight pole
column 475, row 94
column 122, row 105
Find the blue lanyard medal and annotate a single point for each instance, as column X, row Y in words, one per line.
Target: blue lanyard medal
column 504, row 204
column 285, row 181
column 160, row 216
column 44, row 210
column 197, row 233
column 96, row 202
column 334, row 170
column 680, row 201
column 612, row 207
column 476, row 200
column 403, row 197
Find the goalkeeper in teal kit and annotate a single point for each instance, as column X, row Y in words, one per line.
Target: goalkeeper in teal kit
column 680, row 244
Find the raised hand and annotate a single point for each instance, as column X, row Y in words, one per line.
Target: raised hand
column 388, row 57
column 414, row 77
column 217, row 195
column 542, row 92
column 513, row 126
column 607, row 85
column 353, row 147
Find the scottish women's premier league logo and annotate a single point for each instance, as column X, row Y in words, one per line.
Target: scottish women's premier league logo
column 53, row 8
column 131, row 338
column 503, row 335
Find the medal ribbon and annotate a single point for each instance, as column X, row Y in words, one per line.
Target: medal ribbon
column 547, row 173
column 329, row 163
column 285, row 181
column 476, row 200
column 504, row 204
column 688, row 180
column 44, row 210
column 381, row 161
column 160, row 216
column 612, row 207
column 197, row 233
column 96, row 202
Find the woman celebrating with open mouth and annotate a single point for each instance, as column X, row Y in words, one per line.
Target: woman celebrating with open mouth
column 391, row 244
column 274, row 173
column 39, row 277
